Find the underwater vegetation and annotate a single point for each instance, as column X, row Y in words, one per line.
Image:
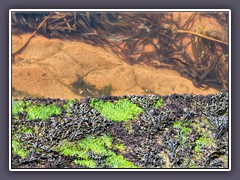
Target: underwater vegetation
column 41, row 112
column 90, row 148
column 150, row 131
column 80, row 87
column 17, row 149
column 17, row 107
column 122, row 110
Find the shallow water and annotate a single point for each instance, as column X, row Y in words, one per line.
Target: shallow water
column 65, row 69
column 68, row 69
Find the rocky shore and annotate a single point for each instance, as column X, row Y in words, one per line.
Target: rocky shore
column 148, row 131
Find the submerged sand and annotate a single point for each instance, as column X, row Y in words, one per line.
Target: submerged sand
column 50, row 67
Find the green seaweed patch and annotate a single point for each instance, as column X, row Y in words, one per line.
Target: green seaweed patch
column 203, row 141
column 203, row 127
column 122, row 110
column 203, row 144
column 36, row 129
column 17, row 107
column 118, row 161
column 96, row 145
column 197, row 124
column 22, row 129
column 99, row 146
column 192, row 166
column 120, row 147
column 159, row 103
column 67, row 105
column 85, row 163
column 42, row 112
column 18, row 150
column 183, row 129
column 71, row 149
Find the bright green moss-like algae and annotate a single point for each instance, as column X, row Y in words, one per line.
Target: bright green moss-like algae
column 18, row 150
column 121, row 133
column 202, row 142
column 41, row 112
column 93, row 148
column 122, row 110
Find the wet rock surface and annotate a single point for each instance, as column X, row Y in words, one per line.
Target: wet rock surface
column 183, row 131
column 66, row 69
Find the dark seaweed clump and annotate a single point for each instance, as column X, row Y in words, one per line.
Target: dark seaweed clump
column 177, row 131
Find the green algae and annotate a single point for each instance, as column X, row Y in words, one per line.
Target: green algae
column 186, row 128
column 183, row 129
column 18, row 150
column 71, row 149
column 197, row 124
column 118, row 161
column 67, row 105
column 182, row 126
column 100, row 146
column 120, row 147
column 42, row 112
column 96, row 145
column 17, row 107
column 22, row 129
column 203, row 141
column 36, row 129
column 122, row 110
column 192, row 166
column 206, row 139
column 85, row 163
column 159, row 103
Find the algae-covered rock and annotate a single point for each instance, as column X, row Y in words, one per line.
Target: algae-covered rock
column 151, row 131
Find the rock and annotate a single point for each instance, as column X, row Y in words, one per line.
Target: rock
column 50, row 67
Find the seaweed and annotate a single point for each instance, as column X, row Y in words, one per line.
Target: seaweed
column 91, row 152
column 186, row 131
column 122, row 110
column 42, row 112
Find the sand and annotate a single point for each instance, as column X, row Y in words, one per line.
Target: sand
column 49, row 67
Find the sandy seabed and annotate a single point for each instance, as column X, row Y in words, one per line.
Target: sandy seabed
column 50, row 67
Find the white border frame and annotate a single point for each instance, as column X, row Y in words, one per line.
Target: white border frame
column 114, row 10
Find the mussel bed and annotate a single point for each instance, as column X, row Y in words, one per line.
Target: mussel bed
column 183, row 131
